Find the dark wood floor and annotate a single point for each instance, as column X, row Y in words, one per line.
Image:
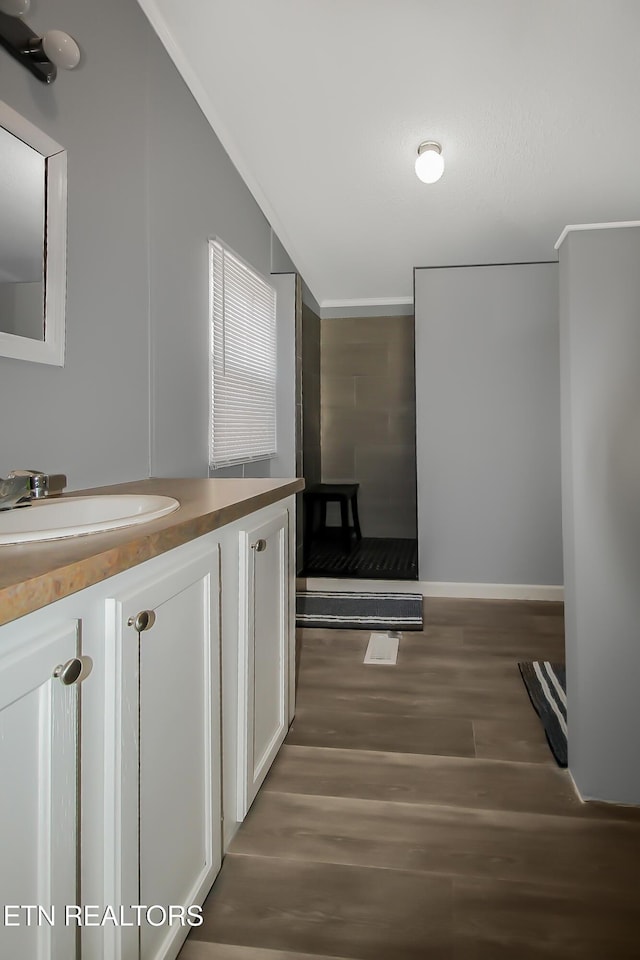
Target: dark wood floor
column 415, row 812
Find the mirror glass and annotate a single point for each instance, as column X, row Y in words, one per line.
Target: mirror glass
column 33, row 241
column 22, row 251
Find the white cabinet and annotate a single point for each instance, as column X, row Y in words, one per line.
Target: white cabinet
column 263, row 652
column 204, row 691
column 38, row 799
column 162, row 750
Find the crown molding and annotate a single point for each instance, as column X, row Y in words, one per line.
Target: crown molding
column 594, row 226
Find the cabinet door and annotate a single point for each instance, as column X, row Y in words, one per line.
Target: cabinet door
column 263, row 653
column 164, row 752
column 38, row 798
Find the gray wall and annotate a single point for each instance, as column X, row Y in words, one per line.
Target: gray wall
column 284, row 465
column 148, row 183
column 488, row 424
column 368, row 418
column 600, row 348
column 194, row 193
column 281, row 262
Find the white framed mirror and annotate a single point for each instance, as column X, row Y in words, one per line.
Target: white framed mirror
column 33, row 241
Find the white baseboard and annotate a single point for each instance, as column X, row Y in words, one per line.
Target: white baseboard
column 467, row 591
column 627, row 804
column 493, row 591
column 575, row 786
column 343, row 585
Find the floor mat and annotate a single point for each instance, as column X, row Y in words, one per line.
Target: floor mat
column 372, row 558
column 546, row 685
column 359, row 611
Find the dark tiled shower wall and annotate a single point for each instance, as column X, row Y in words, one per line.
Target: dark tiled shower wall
column 311, row 395
column 368, row 418
column 299, row 420
column 308, row 460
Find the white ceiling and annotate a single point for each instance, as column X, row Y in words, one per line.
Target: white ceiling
column 321, row 105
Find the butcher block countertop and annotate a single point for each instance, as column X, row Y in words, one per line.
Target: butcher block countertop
column 33, row 575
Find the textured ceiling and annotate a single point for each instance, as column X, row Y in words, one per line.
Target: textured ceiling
column 321, row 105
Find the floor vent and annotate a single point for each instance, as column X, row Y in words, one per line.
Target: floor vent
column 382, row 648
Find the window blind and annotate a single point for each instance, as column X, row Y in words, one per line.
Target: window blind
column 242, row 307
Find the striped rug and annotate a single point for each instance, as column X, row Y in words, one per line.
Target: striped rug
column 546, row 685
column 359, row 611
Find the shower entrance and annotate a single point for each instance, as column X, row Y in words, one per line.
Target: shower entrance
column 358, row 419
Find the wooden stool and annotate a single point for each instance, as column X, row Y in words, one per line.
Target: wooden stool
column 322, row 494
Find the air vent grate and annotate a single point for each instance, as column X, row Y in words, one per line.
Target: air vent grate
column 382, row 649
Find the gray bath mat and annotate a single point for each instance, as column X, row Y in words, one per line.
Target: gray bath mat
column 546, row 685
column 359, row 611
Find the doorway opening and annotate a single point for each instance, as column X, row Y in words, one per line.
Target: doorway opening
column 358, row 428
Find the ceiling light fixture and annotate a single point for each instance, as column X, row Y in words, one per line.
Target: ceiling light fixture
column 429, row 162
column 15, row 8
column 40, row 55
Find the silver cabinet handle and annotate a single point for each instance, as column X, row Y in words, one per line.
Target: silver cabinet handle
column 69, row 672
column 143, row 621
column 259, row 546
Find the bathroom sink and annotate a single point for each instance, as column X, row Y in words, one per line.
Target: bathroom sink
column 76, row 516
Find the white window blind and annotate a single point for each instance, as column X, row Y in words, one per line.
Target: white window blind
column 242, row 307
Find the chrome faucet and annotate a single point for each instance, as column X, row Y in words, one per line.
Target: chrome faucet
column 23, row 486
